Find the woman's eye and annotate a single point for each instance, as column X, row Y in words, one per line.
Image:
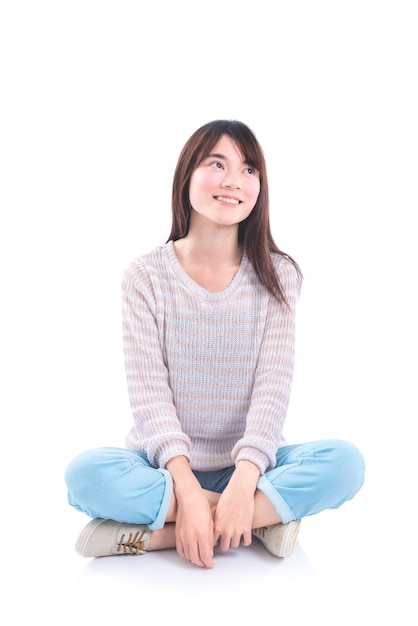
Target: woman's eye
column 251, row 170
column 217, row 164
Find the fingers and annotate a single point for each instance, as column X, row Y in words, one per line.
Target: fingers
column 198, row 555
column 207, row 559
column 247, row 538
column 201, row 553
column 226, row 541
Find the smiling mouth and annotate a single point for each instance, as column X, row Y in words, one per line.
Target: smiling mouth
column 227, row 200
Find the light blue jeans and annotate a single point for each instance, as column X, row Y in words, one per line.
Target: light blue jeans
column 120, row 484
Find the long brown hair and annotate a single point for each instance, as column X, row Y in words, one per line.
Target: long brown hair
column 254, row 232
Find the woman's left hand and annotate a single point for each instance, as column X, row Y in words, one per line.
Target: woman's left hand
column 235, row 508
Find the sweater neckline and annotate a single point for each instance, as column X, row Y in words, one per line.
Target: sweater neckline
column 197, row 289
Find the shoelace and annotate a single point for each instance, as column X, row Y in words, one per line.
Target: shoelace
column 134, row 544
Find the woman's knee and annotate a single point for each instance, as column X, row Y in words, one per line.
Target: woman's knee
column 97, row 469
column 349, row 466
column 82, row 470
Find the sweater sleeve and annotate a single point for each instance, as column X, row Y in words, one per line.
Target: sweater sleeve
column 273, row 378
column 156, row 428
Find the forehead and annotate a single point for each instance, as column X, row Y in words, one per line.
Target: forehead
column 228, row 148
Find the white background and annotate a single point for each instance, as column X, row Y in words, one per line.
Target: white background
column 97, row 99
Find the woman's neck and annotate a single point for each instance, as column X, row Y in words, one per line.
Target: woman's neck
column 211, row 262
column 223, row 250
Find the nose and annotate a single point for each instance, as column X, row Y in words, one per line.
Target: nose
column 232, row 181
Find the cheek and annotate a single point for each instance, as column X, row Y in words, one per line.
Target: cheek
column 253, row 189
column 201, row 183
column 204, row 182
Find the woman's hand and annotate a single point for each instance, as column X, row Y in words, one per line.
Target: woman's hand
column 194, row 519
column 194, row 530
column 235, row 509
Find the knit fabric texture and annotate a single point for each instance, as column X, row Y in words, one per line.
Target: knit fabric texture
column 208, row 374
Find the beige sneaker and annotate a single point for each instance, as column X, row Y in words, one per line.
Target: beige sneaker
column 104, row 537
column 279, row 539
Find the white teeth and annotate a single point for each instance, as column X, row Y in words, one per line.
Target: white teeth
column 229, row 200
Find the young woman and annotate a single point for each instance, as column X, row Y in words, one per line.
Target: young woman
column 208, row 324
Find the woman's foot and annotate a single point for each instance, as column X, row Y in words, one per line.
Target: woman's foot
column 104, row 537
column 279, row 539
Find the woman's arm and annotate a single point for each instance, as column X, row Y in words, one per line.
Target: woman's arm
column 156, row 428
column 273, row 378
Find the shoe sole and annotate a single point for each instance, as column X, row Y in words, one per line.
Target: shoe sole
column 289, row 538
column 85, row 534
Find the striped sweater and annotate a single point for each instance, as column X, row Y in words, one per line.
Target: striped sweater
column 208, row 374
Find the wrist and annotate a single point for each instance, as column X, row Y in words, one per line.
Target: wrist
column 247, row 472
column 184, row 480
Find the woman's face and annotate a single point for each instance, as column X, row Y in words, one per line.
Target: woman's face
column 224, row 188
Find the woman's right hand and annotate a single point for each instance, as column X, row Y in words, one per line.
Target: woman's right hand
column 194, row 519
column 194, row 530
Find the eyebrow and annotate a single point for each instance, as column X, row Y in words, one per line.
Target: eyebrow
column 216, row 155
